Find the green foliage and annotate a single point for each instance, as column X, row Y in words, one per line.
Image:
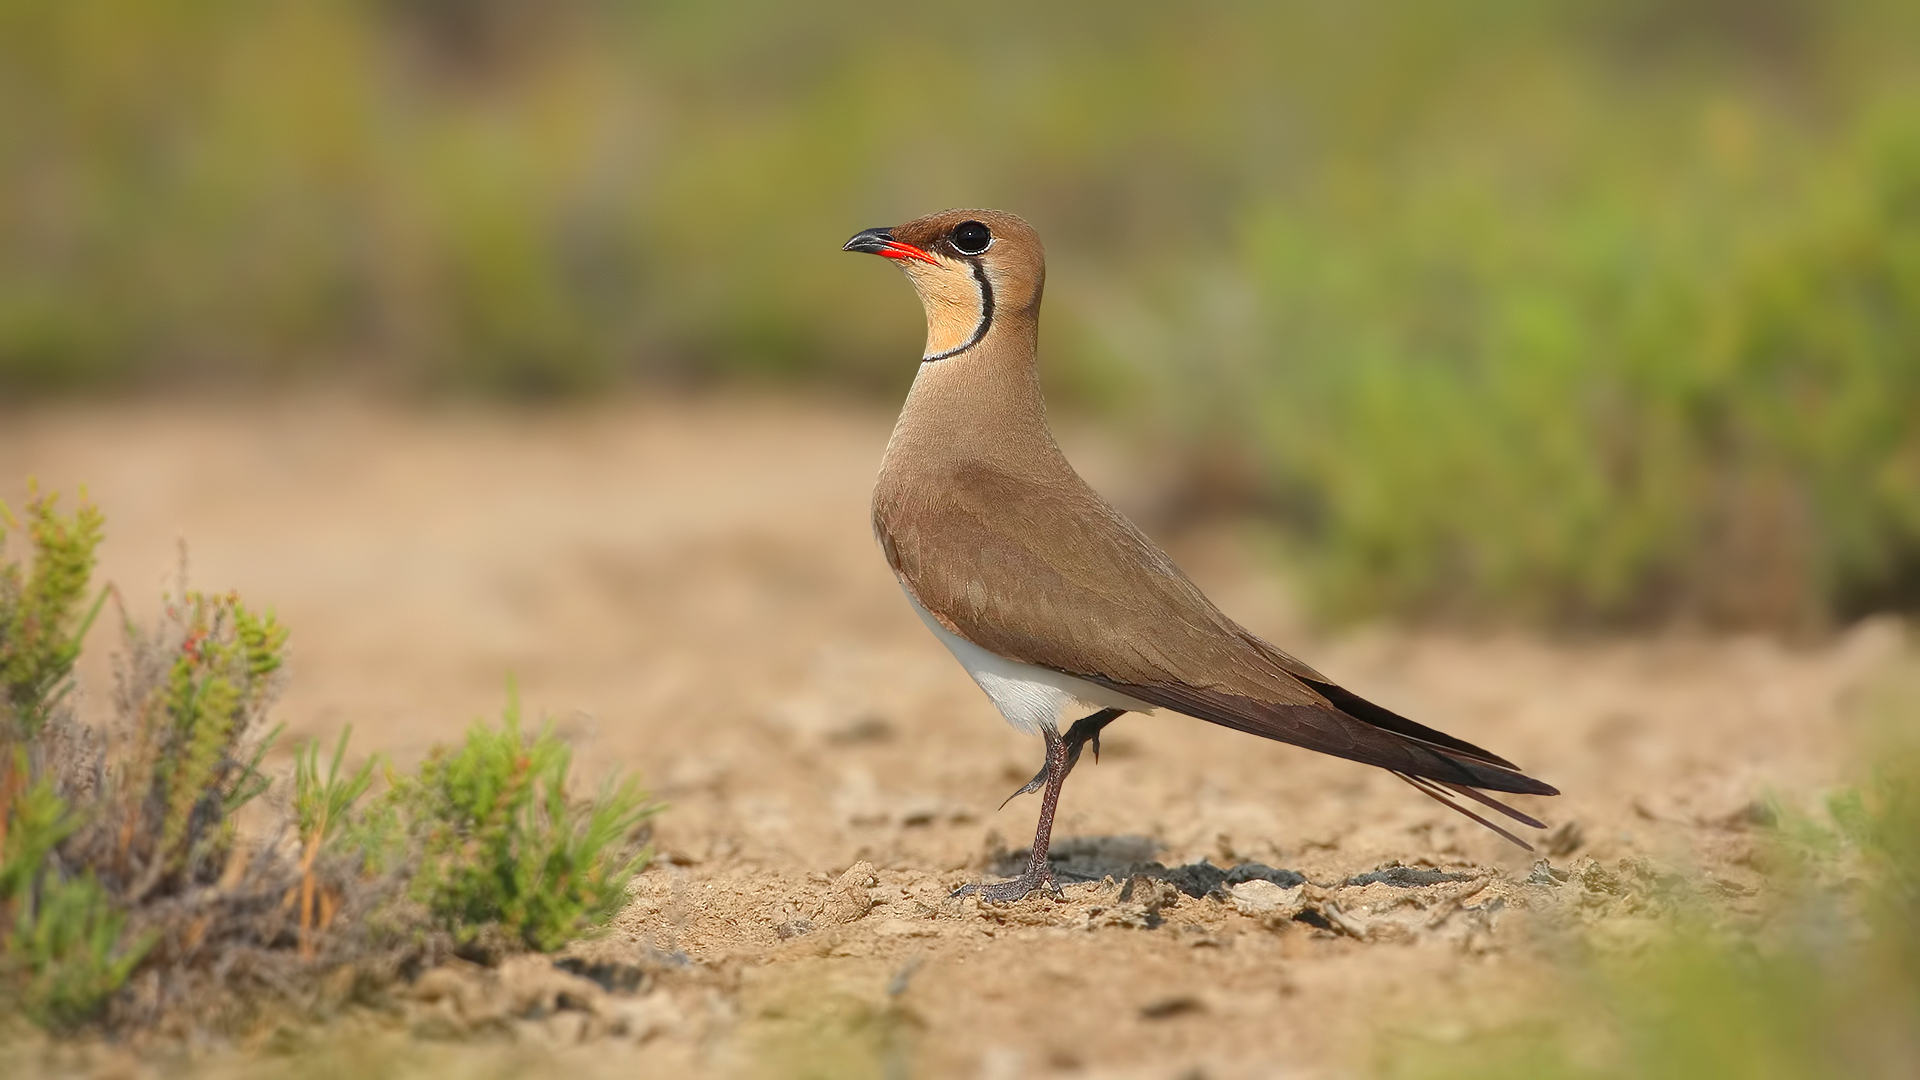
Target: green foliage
column 1828, row 985
column 104, row 855
column 36, row 820
column 501, row 842
column 323, row 807
column 73, row 951
column 73, row 874
column 1583, row 311
column 62, row 947
column 41, row 621
column 486, row 834
column 63, row 950
column 1658, row 386
column 198, row 747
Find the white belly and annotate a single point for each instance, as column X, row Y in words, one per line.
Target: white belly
column 1031, row 698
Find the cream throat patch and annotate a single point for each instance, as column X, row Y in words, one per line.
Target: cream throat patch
column 959, row 300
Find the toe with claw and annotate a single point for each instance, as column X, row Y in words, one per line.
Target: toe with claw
column 1013, row 890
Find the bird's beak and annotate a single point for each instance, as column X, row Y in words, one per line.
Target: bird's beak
column 881, row 242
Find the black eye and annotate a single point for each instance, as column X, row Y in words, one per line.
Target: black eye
column 971, row 238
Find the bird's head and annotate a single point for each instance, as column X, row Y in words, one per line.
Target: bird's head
column 972, row 269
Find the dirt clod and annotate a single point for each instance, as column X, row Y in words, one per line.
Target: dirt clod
column 849, row 900
column 1263, row 899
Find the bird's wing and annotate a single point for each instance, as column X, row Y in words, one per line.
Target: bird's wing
column 1043, row 571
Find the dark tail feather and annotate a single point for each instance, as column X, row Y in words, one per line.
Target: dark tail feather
column 1438, row 792
column 1323, row 727
column 1440, row 766
column 1366, row 711
column 1483, row 799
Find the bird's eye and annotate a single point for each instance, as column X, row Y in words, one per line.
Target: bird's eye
column 971, row 238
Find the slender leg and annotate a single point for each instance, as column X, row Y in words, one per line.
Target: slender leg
column 1084, row 730
column 1038, row 872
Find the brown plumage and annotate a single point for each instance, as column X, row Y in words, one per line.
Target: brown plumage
column 996, row 537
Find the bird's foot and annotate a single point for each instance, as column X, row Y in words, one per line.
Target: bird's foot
column 1013, row 889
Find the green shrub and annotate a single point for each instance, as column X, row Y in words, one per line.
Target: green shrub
column 194, row 692
column 1595, row 311
column 1658, row 388
column 487, row 836
column 101, row 858
column 502, row 842
column 323, row 807
column 125, row 854
column 323, row 811
column 41, row 621
column 63, row 946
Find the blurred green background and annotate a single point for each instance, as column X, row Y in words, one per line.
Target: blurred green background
column 1587, row 314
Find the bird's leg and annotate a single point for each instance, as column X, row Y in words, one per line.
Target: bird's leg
column 1084, row 730
column 1038, row 872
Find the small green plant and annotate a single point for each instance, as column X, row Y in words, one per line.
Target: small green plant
column 321, row 807
column 63, row 950
column 322, row 811
column 60, row 941
column 62, row 947
column 124, row 852
column 41, row 622
column 501, row 841
column 101, row 856
column 196, row 690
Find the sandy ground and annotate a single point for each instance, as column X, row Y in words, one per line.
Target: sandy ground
column 692, row 592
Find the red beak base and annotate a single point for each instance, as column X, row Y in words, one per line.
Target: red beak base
column 881, row 242
column 896, row 249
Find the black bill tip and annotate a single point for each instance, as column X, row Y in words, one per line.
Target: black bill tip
column 870, row 241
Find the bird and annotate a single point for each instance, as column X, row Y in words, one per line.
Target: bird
column 1056, row 604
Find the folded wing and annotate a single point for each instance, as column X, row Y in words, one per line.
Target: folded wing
column 1046, row 573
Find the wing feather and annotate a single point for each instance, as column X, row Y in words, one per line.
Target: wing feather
column 1039, row 569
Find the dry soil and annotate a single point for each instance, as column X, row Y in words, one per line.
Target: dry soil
column 691, row 591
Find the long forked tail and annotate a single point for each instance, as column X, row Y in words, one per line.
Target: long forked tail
column 1444, row 793
column 1439, row 765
